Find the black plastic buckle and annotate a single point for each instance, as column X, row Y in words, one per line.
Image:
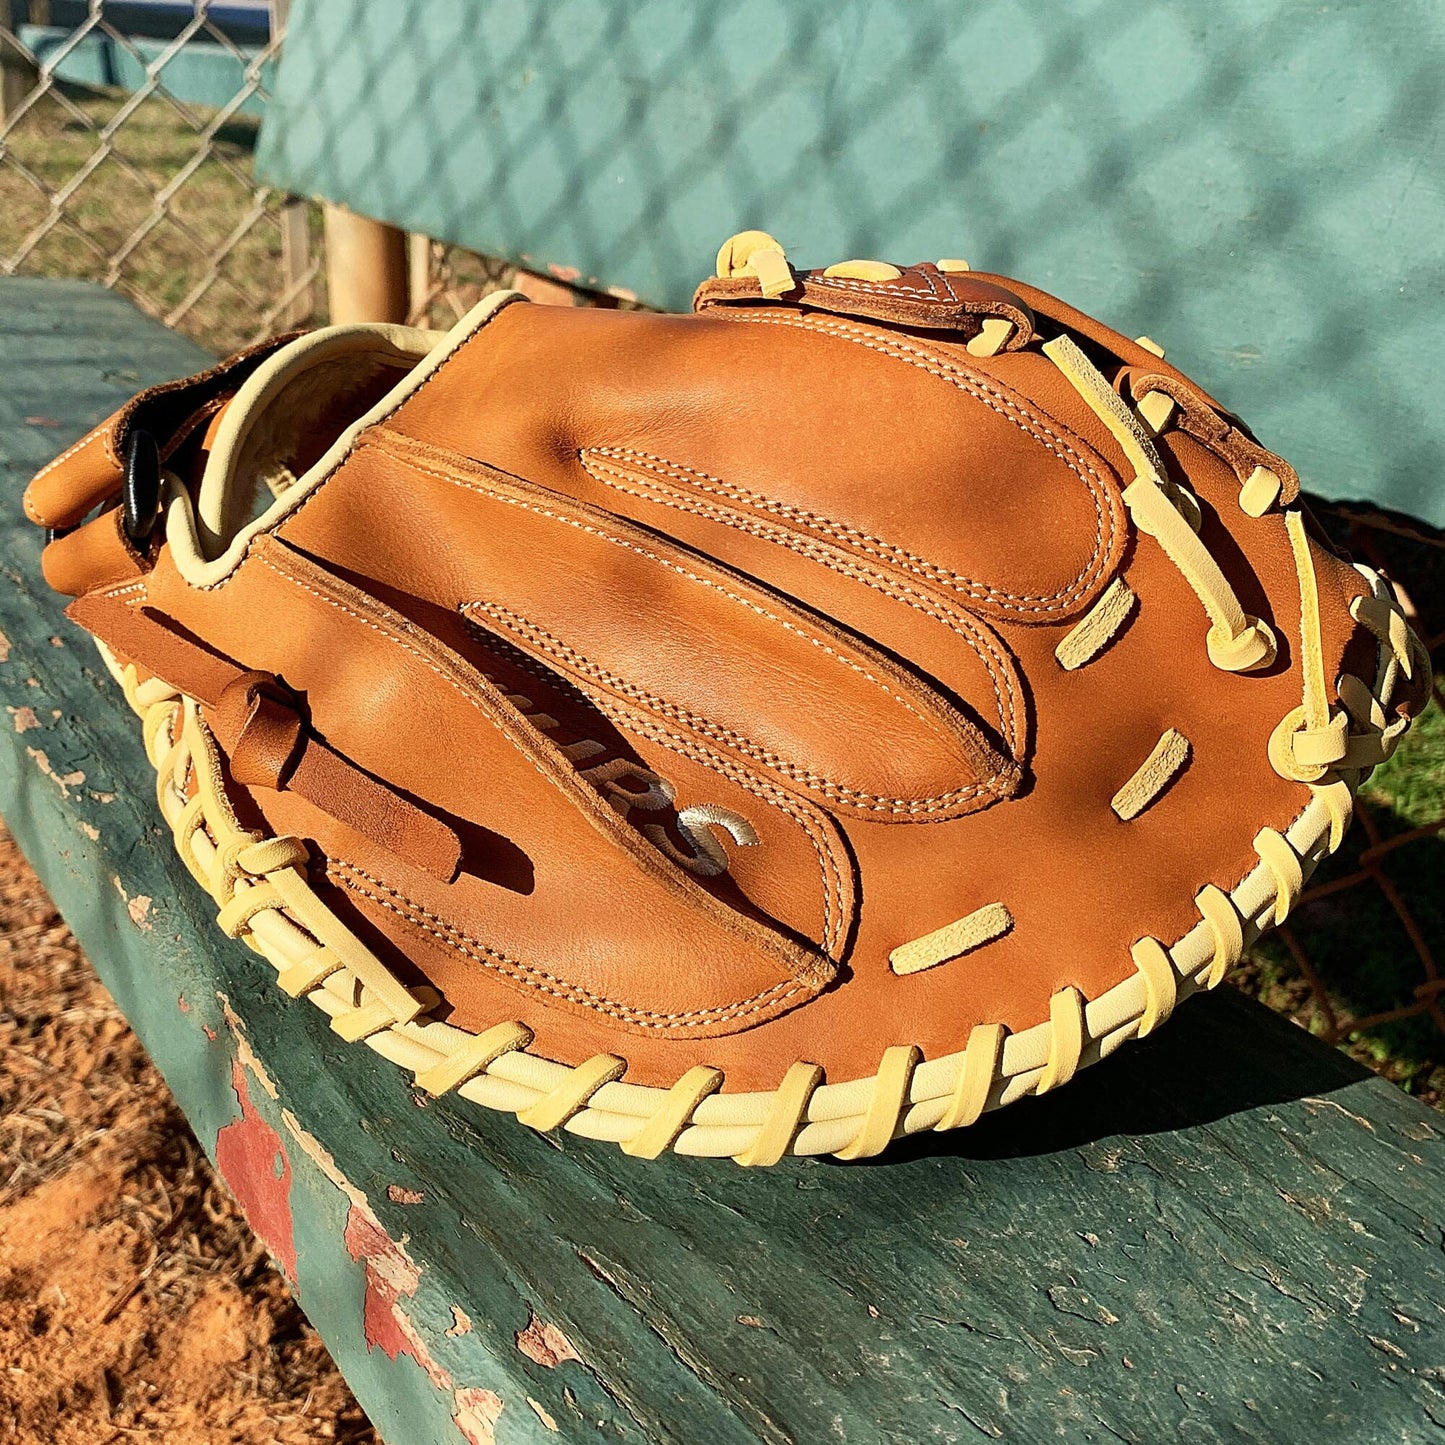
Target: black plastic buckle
column 141, row 489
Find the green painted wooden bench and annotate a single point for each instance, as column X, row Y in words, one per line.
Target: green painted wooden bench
column 1226, row 1233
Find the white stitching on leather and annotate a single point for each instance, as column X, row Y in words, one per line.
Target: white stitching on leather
column 397, row 902
column 1019, row 416
column 466, row 693
column 877, row 802
column 704, row 756
column 69, row 452
column 882, row 288
column 482, row 489
column 820, row 551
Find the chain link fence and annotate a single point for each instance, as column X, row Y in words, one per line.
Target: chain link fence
column 126, row 136
column 446, row 281
column 127, row 133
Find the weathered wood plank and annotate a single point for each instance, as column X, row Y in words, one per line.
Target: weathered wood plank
column 1226, row 1233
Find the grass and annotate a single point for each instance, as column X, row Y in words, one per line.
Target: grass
column 57, row 138
column 1411, row 786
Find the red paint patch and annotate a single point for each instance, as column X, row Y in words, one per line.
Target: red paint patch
column 381, row 1321
column 252, row 1160
column 367, row 1242
column 390, row 1276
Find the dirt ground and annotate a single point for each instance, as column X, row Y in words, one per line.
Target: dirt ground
column 134, row 1303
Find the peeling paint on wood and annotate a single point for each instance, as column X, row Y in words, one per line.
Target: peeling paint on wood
column 64, row 781
column 391, row 1280
column 545, row 1343
column 391, row 1276
column 245, row 1054
column 252, row 1160
column 541, row 1413
column 477, row 1414
column 137, row 908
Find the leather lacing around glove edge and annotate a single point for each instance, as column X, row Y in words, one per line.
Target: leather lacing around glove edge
column 261, row 887
column 1313, row 738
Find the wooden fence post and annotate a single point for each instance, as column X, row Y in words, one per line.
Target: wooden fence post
column 419, row 272
column 365, row 268
column 296, row 262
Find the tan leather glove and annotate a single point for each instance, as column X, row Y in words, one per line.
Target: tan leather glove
column 819, row 718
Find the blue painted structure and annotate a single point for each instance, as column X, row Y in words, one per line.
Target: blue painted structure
column 201, row 73
column 205, row 71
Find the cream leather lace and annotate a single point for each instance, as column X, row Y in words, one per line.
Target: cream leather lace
column 261, row 888
column 1315, row 737
column 1169, row 514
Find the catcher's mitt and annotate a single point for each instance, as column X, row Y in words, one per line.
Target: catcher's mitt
column 817, row 719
